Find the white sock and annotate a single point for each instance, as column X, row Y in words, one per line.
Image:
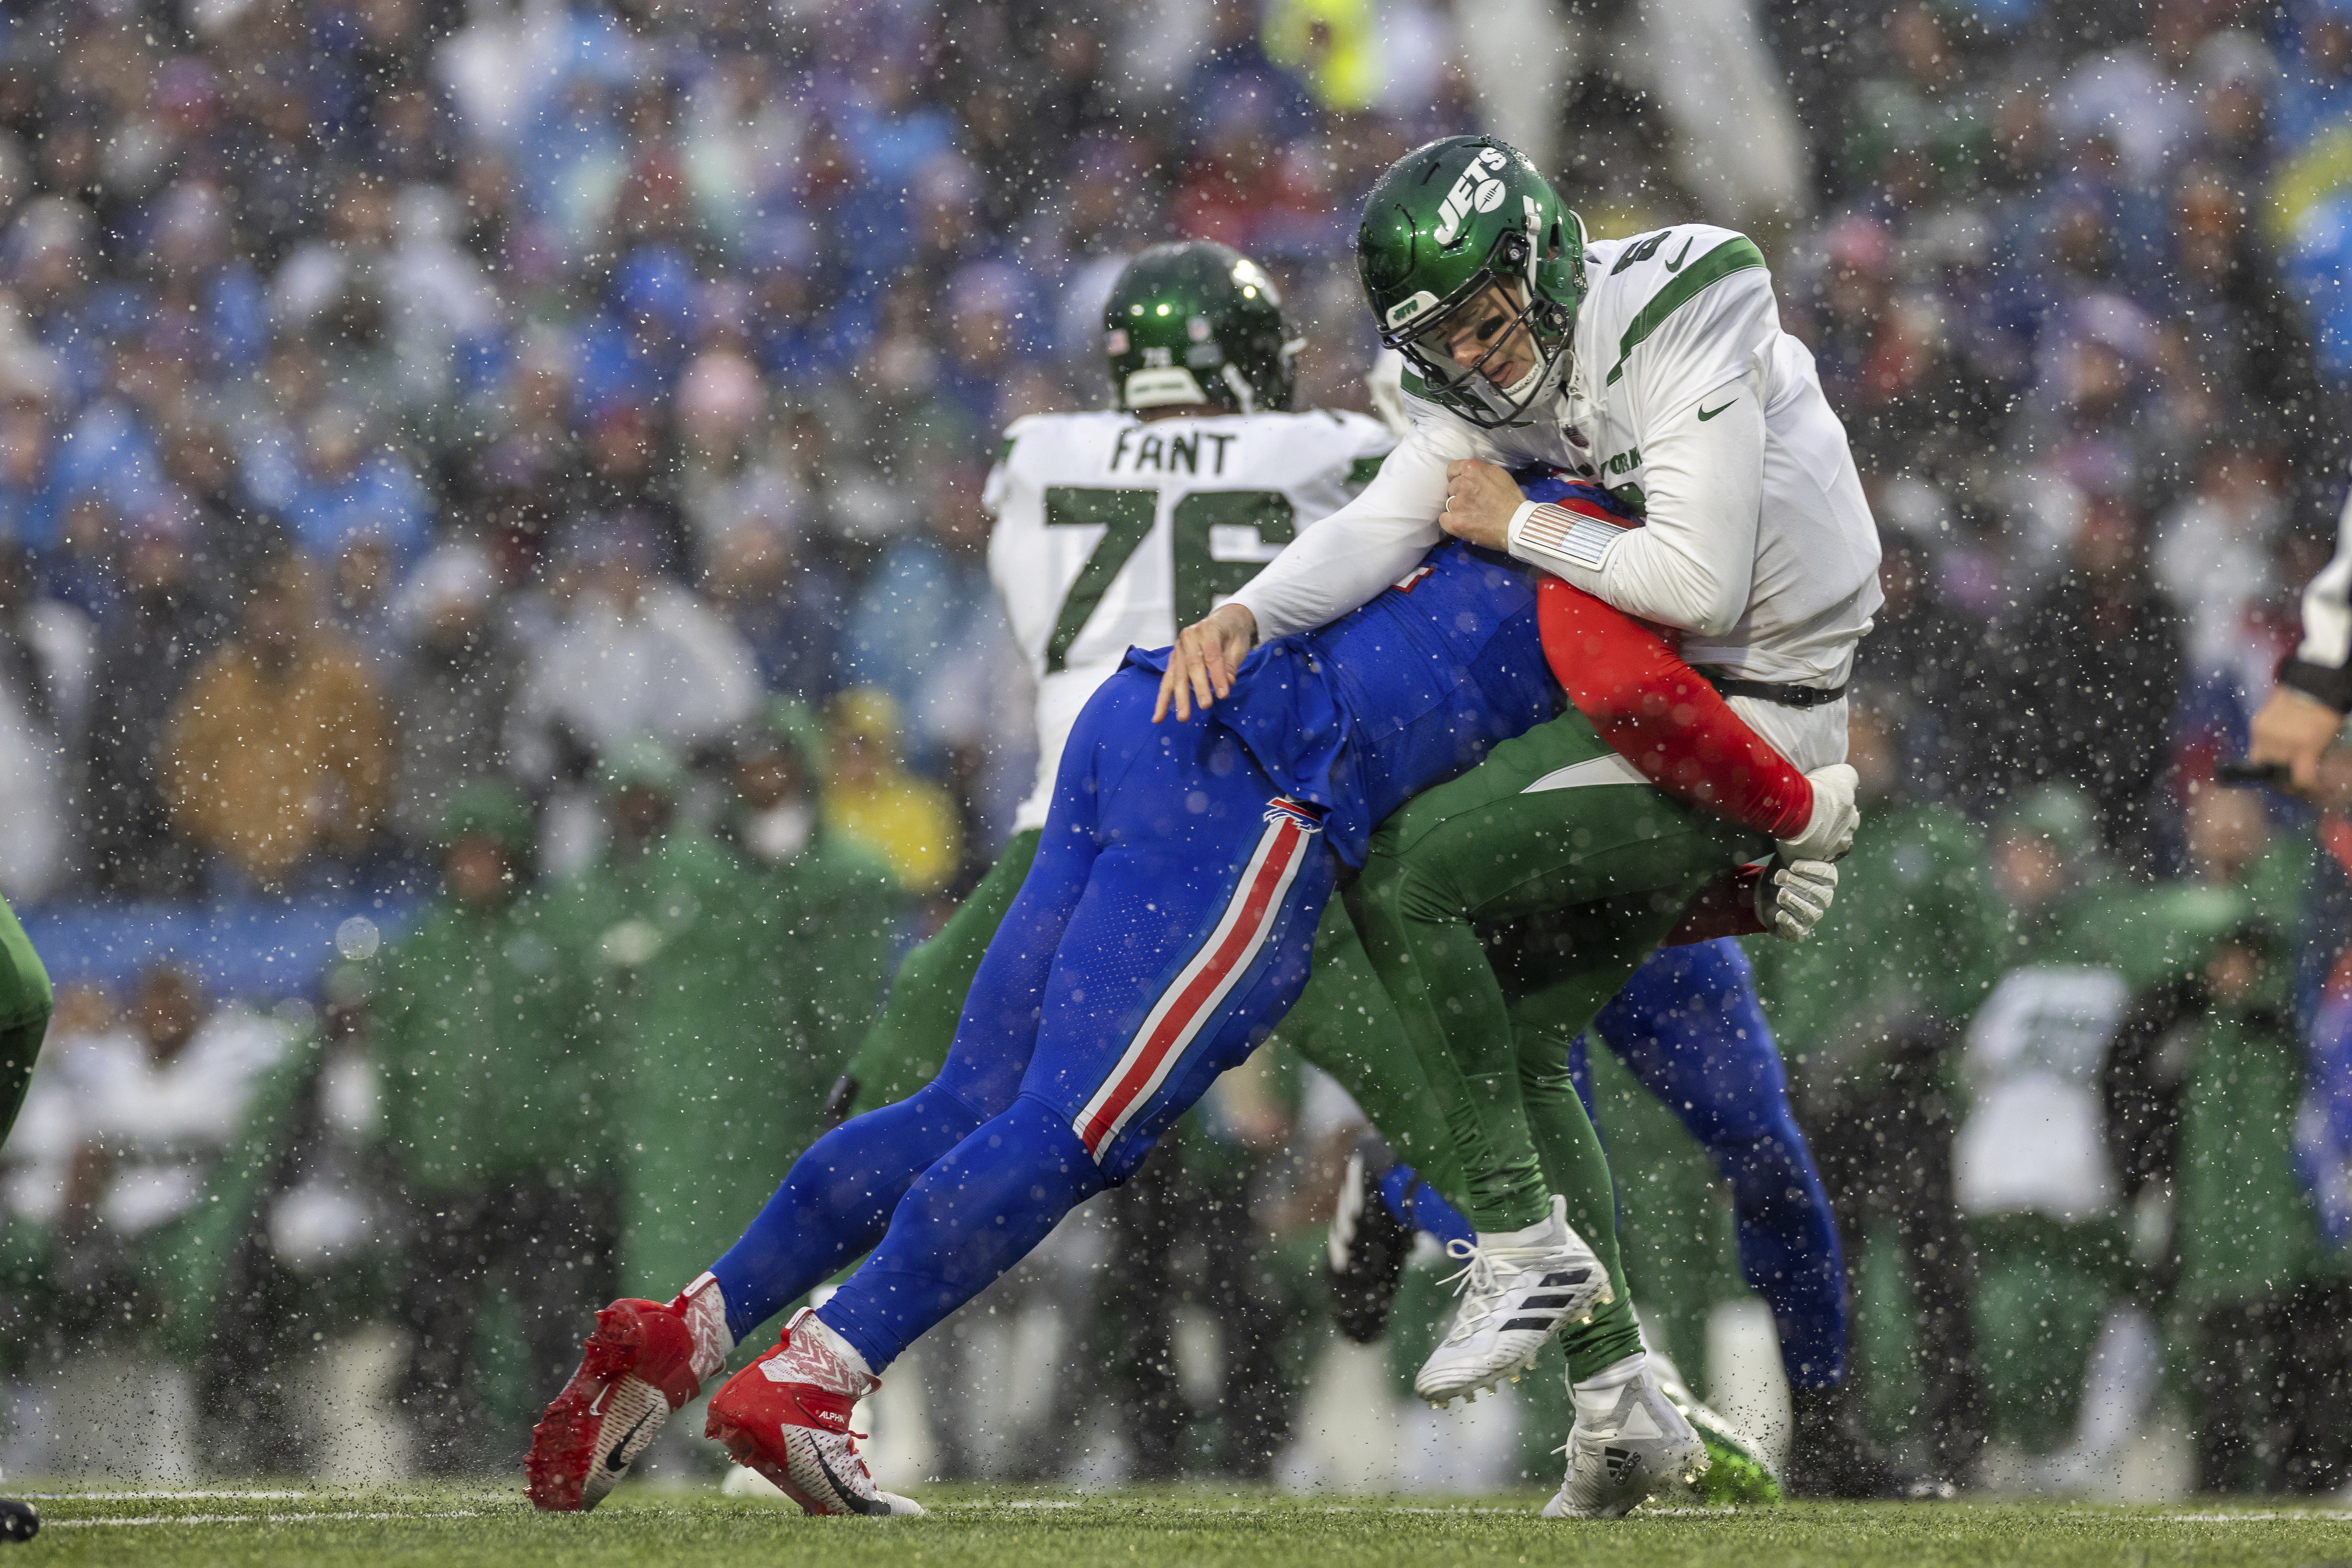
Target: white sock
column 1540, row 1234
column 704, row 1307
column 1596, row 1396
column 808, row 1322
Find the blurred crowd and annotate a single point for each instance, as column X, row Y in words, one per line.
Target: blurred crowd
column 518, row 466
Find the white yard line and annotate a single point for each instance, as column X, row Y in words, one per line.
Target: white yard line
column 162, row 1497
column 2308, row 1514
column 162, row 1518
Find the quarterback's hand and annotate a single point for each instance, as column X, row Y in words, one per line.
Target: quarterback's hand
column 1791, row 896
column 1201, row 666
column 1479, row 500
column 2293, row 727
column 1829, row 833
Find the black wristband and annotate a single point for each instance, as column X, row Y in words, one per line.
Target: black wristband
column 2318, row 682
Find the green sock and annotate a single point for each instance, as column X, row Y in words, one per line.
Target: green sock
column 1451, row 1008
column 1577, row 1170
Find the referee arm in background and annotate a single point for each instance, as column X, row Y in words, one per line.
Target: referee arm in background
column 2306, row 708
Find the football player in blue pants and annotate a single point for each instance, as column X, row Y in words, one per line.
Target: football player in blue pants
column 1165, row 925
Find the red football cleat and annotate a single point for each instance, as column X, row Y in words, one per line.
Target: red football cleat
column 638, row 1367
column 787, row 1416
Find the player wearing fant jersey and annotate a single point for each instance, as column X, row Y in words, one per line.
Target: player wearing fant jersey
column 1163, row 929
column 1655, row 366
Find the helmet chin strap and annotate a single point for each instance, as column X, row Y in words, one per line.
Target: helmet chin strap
column 1519, row 390
column 1521, row 393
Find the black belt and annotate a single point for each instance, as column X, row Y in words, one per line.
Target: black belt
column 1777, row 691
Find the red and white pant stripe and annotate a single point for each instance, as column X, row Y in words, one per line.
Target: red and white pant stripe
column 1200, row 989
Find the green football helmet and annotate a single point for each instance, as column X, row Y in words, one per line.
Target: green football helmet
column 1446, row 221
column 1197, row 322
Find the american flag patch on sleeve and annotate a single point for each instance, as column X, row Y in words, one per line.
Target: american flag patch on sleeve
column 1577, row 537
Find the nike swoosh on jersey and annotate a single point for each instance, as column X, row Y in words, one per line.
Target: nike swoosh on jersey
column 1707, row 413
column 1676, row 264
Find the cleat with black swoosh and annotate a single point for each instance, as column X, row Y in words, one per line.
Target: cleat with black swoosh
column 637, row 1368
column 786, row 1417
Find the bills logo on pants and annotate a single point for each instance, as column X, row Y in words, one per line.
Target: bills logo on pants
column 1191, row 1001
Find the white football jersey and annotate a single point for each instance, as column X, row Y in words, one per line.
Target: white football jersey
column 1772, row 574
column 1112, row 532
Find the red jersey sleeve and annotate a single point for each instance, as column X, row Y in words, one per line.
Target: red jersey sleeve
column 1628, row 677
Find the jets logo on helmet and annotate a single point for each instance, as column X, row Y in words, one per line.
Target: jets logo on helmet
column 1198, row 322
column 1476, row 191
column 1445, row 225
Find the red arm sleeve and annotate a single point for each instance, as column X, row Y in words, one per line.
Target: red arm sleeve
column 1662, row 716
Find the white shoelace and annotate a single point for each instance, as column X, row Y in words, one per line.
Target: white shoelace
column 1484, row 1285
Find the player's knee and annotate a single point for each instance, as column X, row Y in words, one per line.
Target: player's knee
column 1053, row 1147
column 1398, row 893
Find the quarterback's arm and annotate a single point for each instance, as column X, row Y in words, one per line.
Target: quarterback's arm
column 1691, row 563
column 1339, row 564
column 1344, row 561
column 2302, row 717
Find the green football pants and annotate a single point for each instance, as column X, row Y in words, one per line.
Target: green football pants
column 1501, row 911
column 1342, row 1023
column 25, row 1003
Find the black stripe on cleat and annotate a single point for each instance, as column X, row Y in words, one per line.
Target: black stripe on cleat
column 1518, row 1323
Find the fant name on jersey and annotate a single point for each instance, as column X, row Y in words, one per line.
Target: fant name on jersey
column 1111, row 531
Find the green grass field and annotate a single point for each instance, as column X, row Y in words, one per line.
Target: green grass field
column 1006, row 1529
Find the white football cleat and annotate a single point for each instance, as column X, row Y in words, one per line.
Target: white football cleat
column 1518, row 1288
column 1619, row 1461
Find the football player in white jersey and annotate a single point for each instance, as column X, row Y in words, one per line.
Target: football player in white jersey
column 1655, row 366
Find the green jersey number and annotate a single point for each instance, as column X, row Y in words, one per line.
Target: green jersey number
column 1125, row 516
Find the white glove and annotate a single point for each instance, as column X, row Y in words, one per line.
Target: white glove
column 1829, row 833
column 1792, row 895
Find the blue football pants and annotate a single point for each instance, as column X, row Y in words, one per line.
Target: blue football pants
column 1164, row 928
